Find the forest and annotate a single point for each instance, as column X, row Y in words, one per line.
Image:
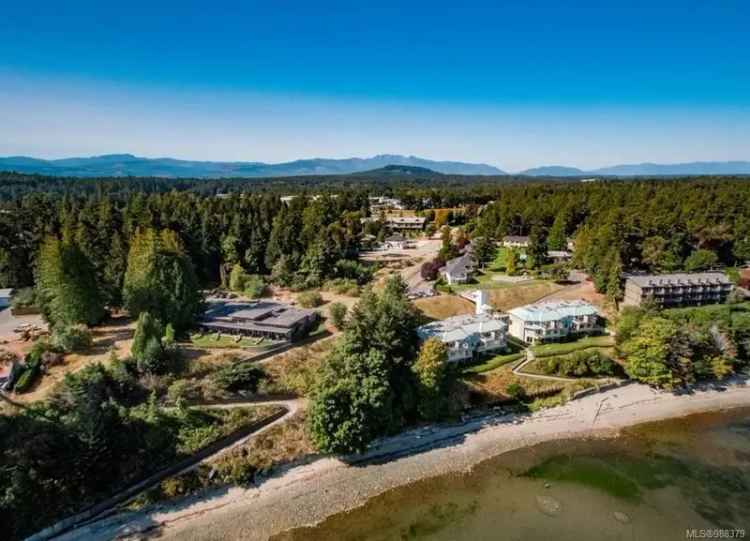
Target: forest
column 655, row 225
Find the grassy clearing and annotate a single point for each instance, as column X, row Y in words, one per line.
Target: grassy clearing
column 485, row 280
column 498, row 263
column 294, row 371
column 520, row 294
column 200, row 427
column 289, row 434
column 563, row 348
column 220, row 341
column 492, row 386
column 444, row 306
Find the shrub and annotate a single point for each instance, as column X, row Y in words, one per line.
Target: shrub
column 515, row 391
column 255, row 286
column 310, row 299
column 70, row 338
column 343, row 286
column 338, row 314
column 28, row 376
column 24, row 298
column 579, row 364
column 354, row 270
column 239, row 377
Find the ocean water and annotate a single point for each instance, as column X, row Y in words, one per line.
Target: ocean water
column 682, row 479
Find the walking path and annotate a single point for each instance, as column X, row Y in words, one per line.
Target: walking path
column 205, row 455
column 518, row 370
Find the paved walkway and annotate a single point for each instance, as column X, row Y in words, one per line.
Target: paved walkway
column 518, row 371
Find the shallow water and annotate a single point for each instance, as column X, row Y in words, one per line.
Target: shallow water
column 656, row 481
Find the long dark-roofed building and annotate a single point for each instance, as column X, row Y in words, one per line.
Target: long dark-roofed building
column 678, row 289
column 266, row 319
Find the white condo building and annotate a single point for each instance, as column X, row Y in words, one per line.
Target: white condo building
column 551, row 321
column 484, row 332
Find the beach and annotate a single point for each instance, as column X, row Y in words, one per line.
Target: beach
column 306, row 494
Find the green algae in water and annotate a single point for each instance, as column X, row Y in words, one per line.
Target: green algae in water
column 438, row 517
column 589, row 472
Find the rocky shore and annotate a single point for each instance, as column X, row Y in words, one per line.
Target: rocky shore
column 307, row 494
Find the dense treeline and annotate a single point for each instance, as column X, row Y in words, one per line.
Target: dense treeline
column 303, row 241
column 15, row 185
column 620, row 226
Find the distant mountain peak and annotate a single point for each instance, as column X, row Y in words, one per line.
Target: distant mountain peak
column 553, row 171
column 109, row 165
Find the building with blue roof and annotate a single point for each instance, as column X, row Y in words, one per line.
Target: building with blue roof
column 554, row 320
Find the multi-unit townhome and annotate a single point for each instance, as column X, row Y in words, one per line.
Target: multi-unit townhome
column 678, row 289
column 470, row 335
column 551, row 321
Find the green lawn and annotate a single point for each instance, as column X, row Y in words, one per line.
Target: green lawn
column 561, row 348
column 230, row 342
column 496, row 361
column 498, row 263
column 484, row 280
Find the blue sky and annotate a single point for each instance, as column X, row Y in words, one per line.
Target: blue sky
column 515, row 84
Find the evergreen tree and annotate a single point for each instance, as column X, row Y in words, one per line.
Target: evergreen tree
column 558, row 239
column 367, row 387
column 433, row 379
column 160, row 279
column 536, row 253
column 67, row 290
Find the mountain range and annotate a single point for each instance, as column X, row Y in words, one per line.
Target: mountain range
column 123, row 165
column 645, row 169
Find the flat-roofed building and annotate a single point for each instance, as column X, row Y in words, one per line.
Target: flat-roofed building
column 405, row 223
column 266, row 319
column 469, row 335
column 554, row 320
column 677, row 289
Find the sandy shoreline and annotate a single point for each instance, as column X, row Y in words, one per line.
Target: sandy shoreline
column 307, row 494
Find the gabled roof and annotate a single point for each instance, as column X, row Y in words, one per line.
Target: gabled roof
column 459, row 265
column 553, row 311
column 461, row 328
